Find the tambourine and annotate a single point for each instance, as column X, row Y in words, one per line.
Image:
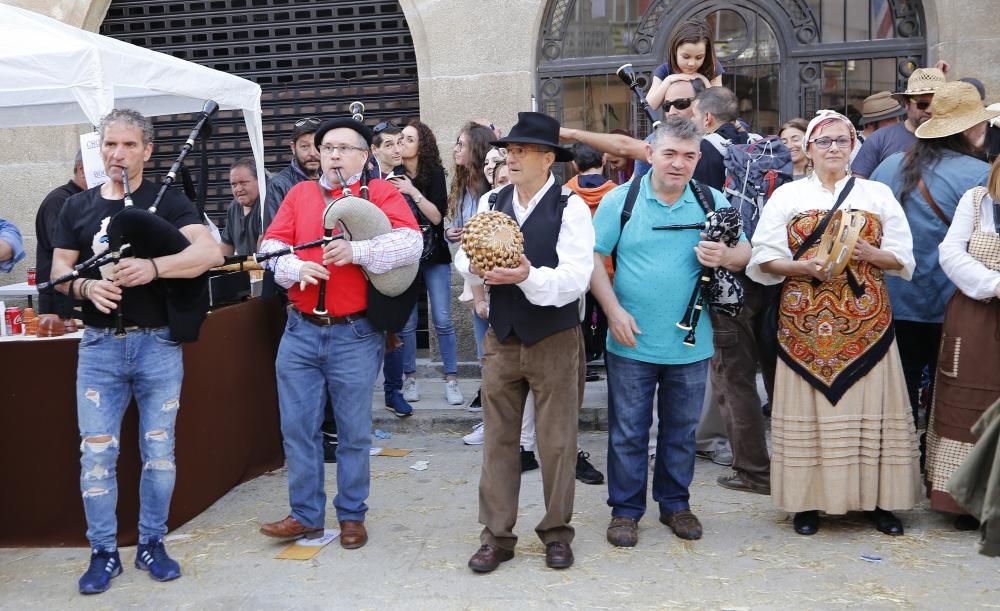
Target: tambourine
column 493, row 239
column 838, row 241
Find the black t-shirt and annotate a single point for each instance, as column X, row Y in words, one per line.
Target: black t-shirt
column 435, row 190
column 46, row 227
column 83, row 225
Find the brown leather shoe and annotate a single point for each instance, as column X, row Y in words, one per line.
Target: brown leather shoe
column 489, row 558
column 352, row 534
column 558, row 555
column 290, row 528
column 684, row 524
column 623, row 532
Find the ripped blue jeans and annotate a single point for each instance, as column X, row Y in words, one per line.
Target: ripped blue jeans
column 148, row 364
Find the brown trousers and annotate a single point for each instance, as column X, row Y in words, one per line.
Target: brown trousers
column 734, row 382
column 554, row 371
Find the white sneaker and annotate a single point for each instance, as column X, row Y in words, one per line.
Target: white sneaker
column 411, row 392
column 452, row 393
column 475, row 438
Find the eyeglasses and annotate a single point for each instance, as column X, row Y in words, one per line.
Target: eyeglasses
column 381, row 127
column 680, row 103
column 307, row 121
column 517, row 150
column 824, row 143
column 332, row 149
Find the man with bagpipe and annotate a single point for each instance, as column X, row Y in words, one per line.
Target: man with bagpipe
column 334, row 341
column 135, row 322
column 649, row 353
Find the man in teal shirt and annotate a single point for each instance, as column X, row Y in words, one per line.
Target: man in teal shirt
column 646, row 357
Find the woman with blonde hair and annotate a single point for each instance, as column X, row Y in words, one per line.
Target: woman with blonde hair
column 841, row 427
column 969, row 360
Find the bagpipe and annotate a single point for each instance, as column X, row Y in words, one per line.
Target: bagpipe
column 140, row 233
column 627, row 76
column 716, row 286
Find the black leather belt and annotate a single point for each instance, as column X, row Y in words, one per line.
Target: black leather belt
column 326, row 321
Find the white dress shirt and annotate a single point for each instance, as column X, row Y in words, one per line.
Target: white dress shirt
column 970, row 276
column 546, row 286
column 770, row 240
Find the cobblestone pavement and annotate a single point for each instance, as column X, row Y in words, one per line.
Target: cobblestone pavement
column 423, row 529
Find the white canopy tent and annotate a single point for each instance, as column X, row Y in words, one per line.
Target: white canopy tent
column 55, row 74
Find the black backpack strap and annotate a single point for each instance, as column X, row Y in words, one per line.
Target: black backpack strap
column 633, row 194
column 507, row 191
column 707, row 203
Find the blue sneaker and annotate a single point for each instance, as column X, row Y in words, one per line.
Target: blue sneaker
column 395, row 403
column 153, row 557
column 104, row 565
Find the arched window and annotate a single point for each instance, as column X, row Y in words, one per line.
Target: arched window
column 783, row 58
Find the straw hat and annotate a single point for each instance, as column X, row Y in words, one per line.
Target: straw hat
column 923, row 81
column 879, row 107
column 957, row 107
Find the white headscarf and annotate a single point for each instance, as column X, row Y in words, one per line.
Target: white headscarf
column 823, row 115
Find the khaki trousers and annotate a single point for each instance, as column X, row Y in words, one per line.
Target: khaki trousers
column 553, row 369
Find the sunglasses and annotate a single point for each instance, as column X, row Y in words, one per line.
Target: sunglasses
column 307, row 121
column 381, row 127
column 922, row 104
column 680, row 103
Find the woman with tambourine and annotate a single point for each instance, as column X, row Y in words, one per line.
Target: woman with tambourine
column 843, row 438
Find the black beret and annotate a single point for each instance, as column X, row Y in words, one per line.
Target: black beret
column 347, row 122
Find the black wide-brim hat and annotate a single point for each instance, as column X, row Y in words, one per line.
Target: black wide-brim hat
column 347, row 122
column 536, row 128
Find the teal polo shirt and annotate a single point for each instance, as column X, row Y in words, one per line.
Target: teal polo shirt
column 656, row 272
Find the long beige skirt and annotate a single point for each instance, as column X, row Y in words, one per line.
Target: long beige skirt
column 856, row 455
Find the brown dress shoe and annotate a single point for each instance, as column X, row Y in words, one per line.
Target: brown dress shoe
column 290, row 528
column 352, row 534
column 623, row 532
column 558, row 555
column 684, row 524
column 489, row 558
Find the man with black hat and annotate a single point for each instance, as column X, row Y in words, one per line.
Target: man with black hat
column 304, row 166
column 534, row 343
column 917, row 98
column 342, row 351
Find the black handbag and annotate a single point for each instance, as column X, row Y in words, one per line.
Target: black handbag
column 768, row 340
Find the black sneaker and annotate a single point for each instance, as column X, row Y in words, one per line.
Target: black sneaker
column 528, row 461
column 476, row 405
column 329, row 447
column 585, row 472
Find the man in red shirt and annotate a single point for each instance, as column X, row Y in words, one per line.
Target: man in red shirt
column 340, row 353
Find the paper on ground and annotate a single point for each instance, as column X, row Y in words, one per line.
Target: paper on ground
column 304, row 549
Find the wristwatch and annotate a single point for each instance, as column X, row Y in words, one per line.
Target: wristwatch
column 419, row 198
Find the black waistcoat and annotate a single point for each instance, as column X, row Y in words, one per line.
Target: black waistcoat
column 510, row 311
